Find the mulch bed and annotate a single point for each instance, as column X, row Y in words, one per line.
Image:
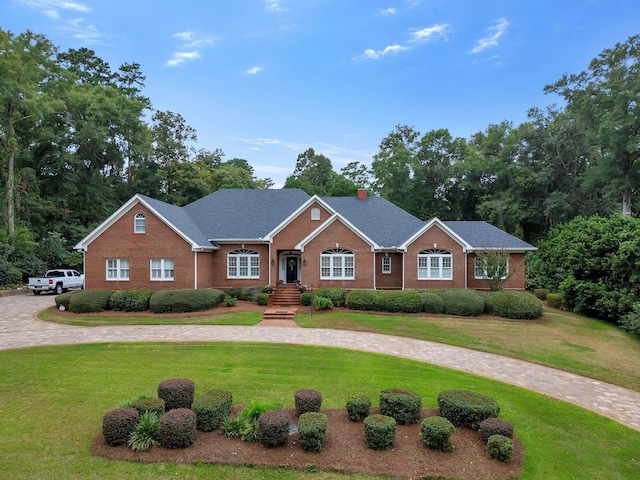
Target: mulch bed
column 344, row 451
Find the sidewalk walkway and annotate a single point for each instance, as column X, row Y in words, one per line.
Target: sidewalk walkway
column 20, row 328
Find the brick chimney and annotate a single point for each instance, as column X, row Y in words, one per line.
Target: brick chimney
column 362, row 194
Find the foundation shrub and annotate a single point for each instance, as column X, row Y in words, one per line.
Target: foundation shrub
column 262, row 299
column 431, row 302
column 322, row 303
column 517, row 305
column 364, row 300
column 211, row 408
column 462, row 302
column 305, row 299
column 495, row 426
column 404, row 406
column 358, row 407
column 63, row 299
column 230, row 301
column 130, row 300
column 500, row 447
column 176, row 393
column 250, row 294
column 631, row 321
column 540, row 293
column 337, row 296
column 177, row 428
column 307, row 400
column 436, row 433
column 313, row 431
column 379, row 432
column 465, row 408
column 402, row 301
column 118, row 424
column 554, row 300
column 153, row 405
column 273, row 427
column 186, row 300
column 88, row 301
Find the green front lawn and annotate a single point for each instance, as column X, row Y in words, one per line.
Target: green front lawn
column 52, row 400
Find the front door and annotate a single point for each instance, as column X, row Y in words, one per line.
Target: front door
column 292, row 270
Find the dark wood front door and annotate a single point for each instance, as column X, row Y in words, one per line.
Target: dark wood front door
column 292, row 269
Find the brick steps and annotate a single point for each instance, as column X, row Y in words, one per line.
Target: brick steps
column 284, row 305
column 286, row 295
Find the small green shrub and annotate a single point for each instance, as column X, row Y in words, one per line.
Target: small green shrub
column 267, row 289
column 313, row 430
column 153, row 405
column 245, row 424
column 211, row 408
column 234, row 427
column 337, row 296
column 379, row 432
column 404, row 406
column 118, row 424
column 431, row 302
column 358, row 407
column 631, row 321
column 555, row 300
column 230, row 301
column 364, row 300
column 462, row 302
column 144, row 436
column 130, row 300
column 129, row 402
column 464, row 408
column 178, row 301
column 63, row 299
column 177, row 428
column 540, row 293
column 495, row 426
column 403, row 301
column 235, row 292
column 305, row 299
column 436, row 433
column 263, row 299
column 322, row 303
column 517, row 305
column 88, row 301
column 500, row 447
column 307, row 400
column 274, row 428
column 176, row 393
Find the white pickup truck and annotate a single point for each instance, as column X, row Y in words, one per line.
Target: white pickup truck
column 57, row 281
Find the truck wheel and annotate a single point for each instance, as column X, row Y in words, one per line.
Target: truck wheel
column 36, row 292
column 58, row 289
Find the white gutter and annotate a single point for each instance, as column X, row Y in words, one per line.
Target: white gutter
column 195, row 270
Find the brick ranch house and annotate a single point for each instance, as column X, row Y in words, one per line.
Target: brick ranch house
column 237, row 238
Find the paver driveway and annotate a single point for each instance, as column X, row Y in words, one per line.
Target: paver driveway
column 20, row 328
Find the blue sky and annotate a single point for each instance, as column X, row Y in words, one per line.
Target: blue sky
column 264, row 80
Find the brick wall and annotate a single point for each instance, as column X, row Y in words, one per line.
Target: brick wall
column 516, row 265
column 391, row 280
column 218, row 268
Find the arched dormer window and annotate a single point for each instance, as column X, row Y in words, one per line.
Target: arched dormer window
column 337, row 264
column 139, row 223
column 243, row 263
column 435, row 264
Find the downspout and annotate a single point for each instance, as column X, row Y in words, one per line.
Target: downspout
column 195, row 270
column 466, row 269
column 269, row 264
column 403, row 269
column 375, row 277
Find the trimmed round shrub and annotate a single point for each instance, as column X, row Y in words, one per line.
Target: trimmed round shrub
column 186, row 300
column 176, row 393
column 436, row 433
column 462, row 302
column 130, row 300
column 305, row 299
column 464, row 408
column 322, row 303
column 89, row 301
column 337, row 296
column 509, row 304
column 495, row 426
column 379, row 432
column 364, row 300
column 554, row 300
column 63, row 299
column 307, row 400
column 118, row 424
column 263, row 299
column 211, row 408
column 358, row 407
column 431, row 302
column 153, row 405
column 500, row 447
column 273, row 428
column 313, row 431
column 404, row 406
column 177, row 428
column 403, row 301
column 540, row 293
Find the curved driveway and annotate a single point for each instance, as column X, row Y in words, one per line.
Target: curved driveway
column 19, row 328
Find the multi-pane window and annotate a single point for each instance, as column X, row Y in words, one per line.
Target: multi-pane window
column 435, row 264
column 139, row 223
column 495, row 268
column 315, row 213
column 337, row 263
column 243, row 263
column 386, row 264
column 162, row 269
column 117, row 269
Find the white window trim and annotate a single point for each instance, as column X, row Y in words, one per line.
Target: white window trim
column 163, row 269
column 484, row 272
column 119, row 268
column 252, row 259
column 386, row 265
column 315, row 213
column 333, row 256
column 440, row 254
column 143, row 224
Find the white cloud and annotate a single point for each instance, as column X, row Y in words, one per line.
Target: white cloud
column 87, row 33
column 253, row 70
column 389, row 11
column 179, row 58
column 272, row 142
column 189, row 48
column 275, row 6
column 51, row 7
column 371, row 54
column 494, row 32
column 439, row 30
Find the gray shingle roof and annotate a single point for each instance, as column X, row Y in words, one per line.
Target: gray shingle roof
column 482, row 235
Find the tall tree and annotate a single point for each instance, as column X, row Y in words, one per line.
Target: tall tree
column 313, row 173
